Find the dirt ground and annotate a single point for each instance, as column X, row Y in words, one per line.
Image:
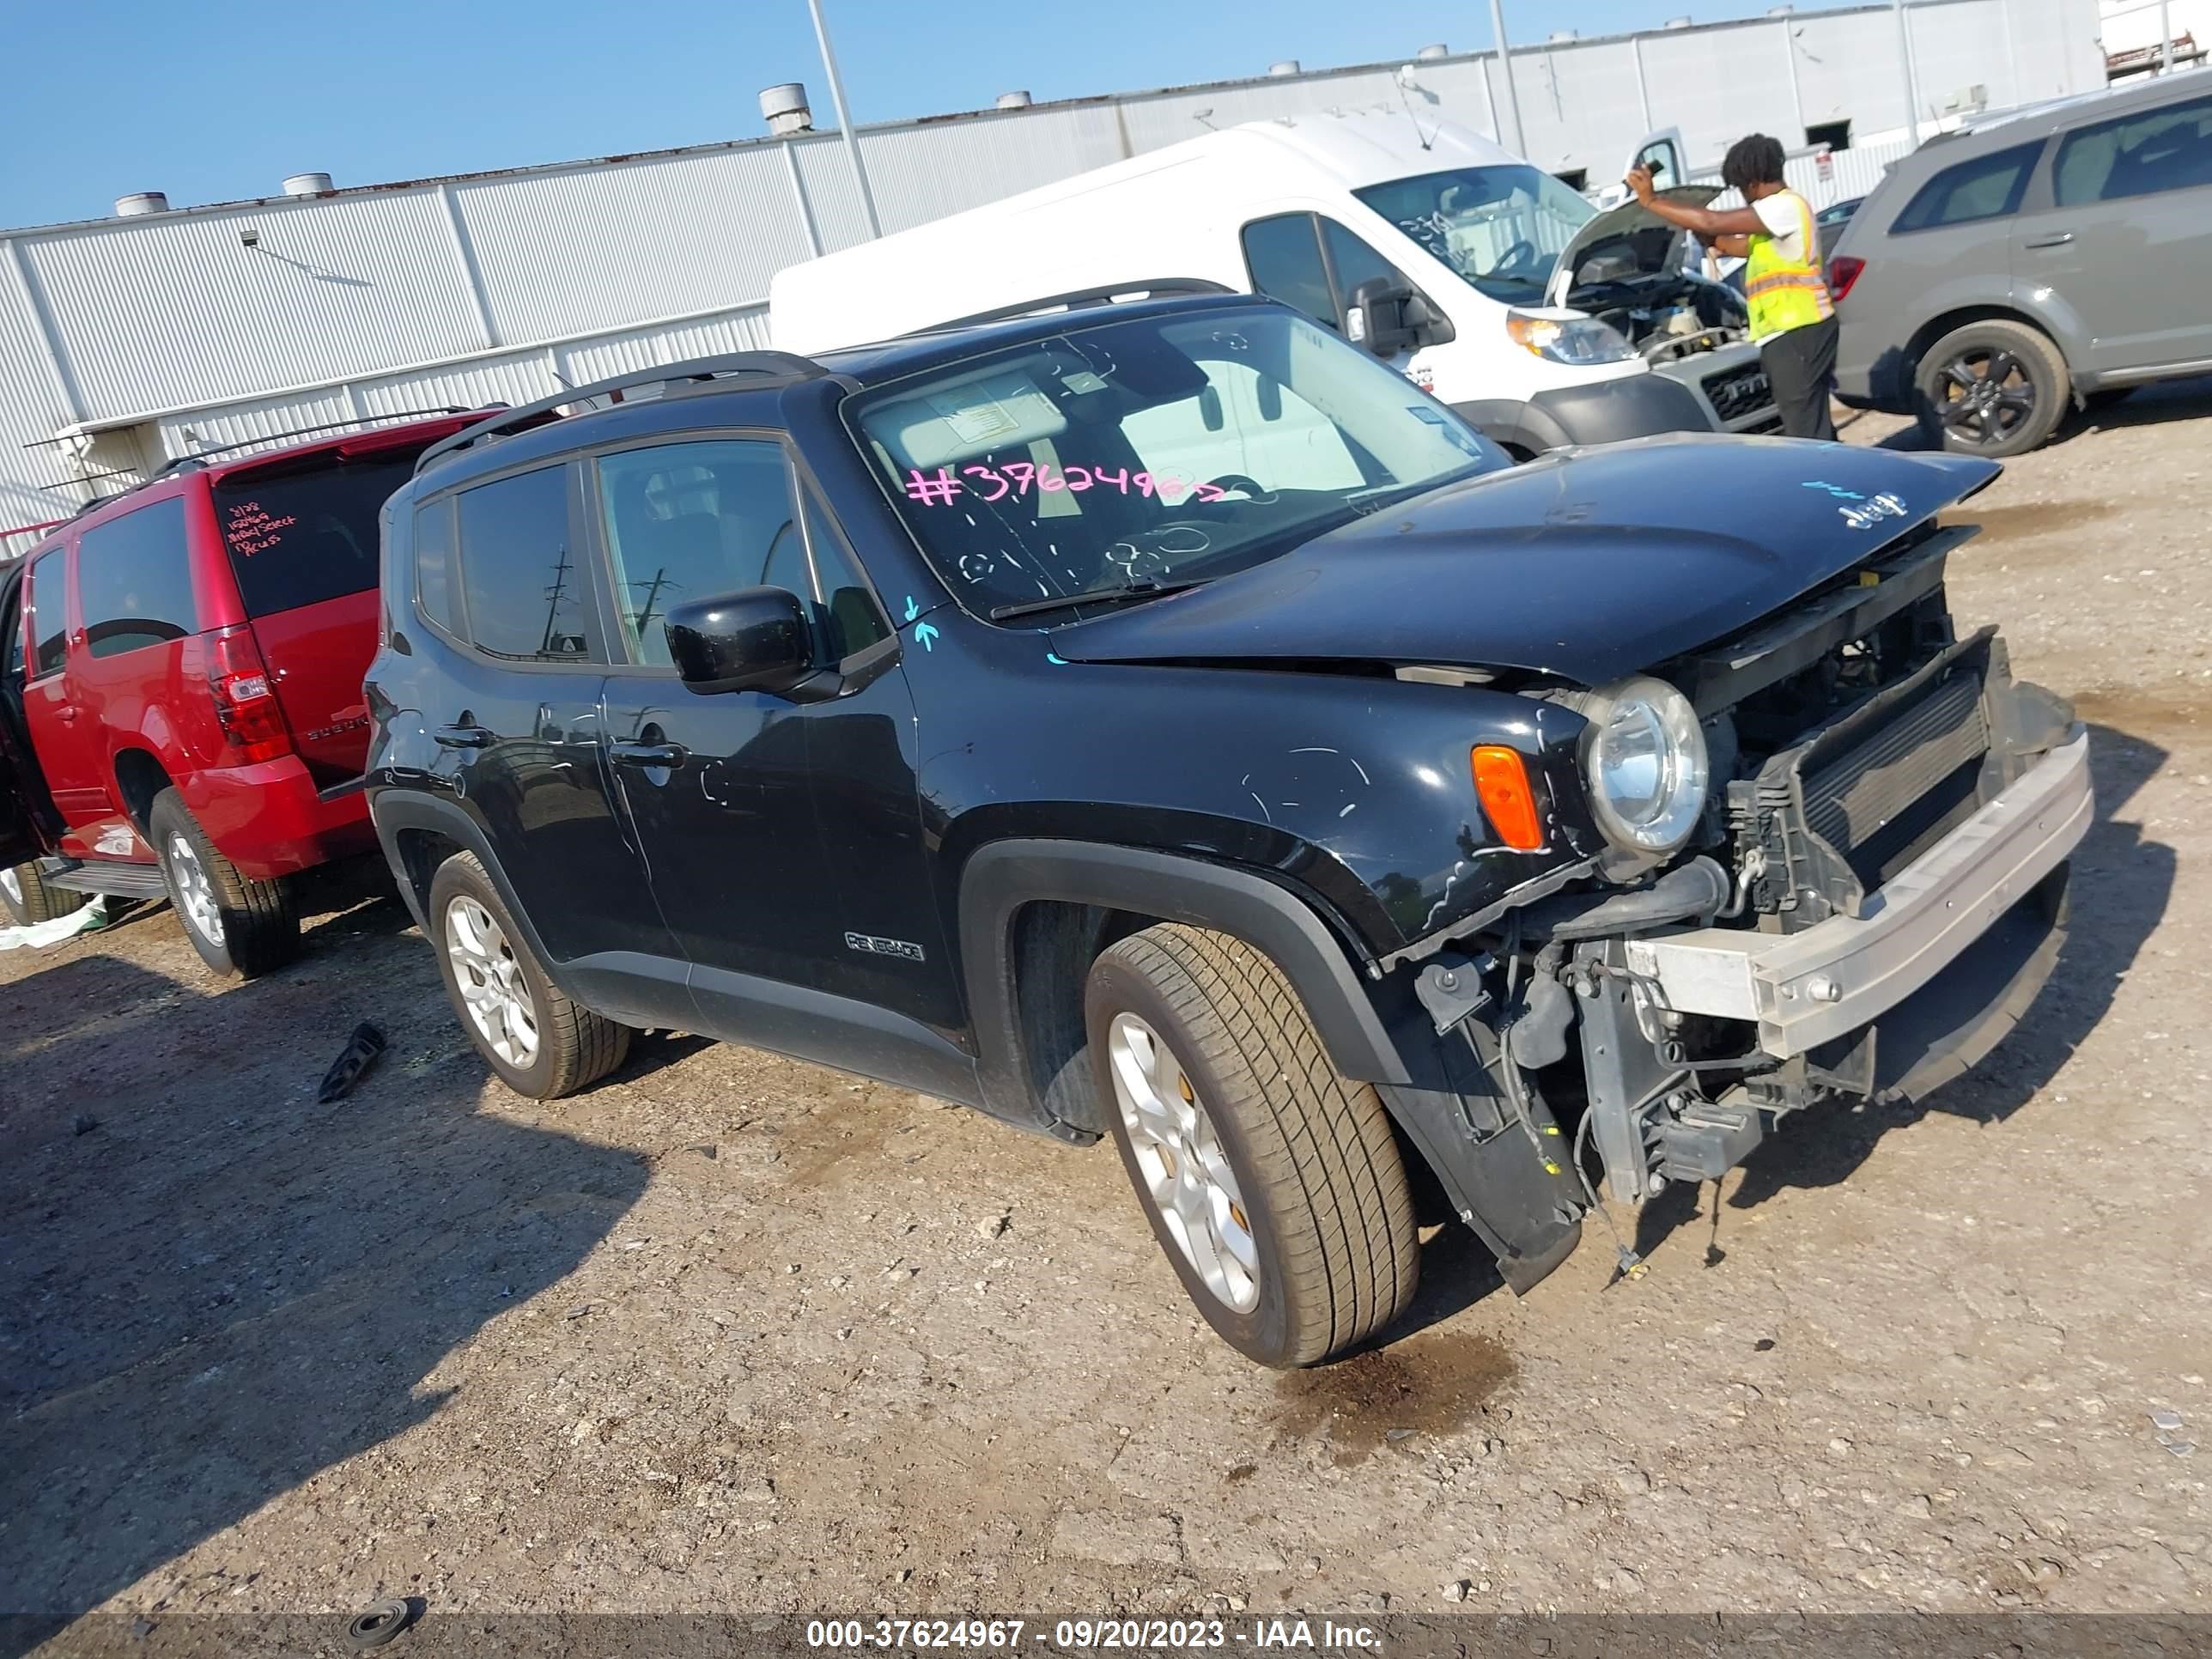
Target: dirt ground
column 731, row 1333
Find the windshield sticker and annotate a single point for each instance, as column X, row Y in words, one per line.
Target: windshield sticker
column 248, row 529
column 1454, row 433
column 975, row 423
column 1015, row 478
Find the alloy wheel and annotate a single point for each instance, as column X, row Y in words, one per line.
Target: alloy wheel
column 1185, row 1170
column 1984, row 394
column 491, row 983
column 195, row 892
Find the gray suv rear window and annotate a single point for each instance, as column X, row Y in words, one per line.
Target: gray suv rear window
column 1987, row 187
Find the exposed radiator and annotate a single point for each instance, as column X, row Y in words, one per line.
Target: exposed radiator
column 1851, row 800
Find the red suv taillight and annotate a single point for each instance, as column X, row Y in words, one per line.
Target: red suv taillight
column 1842, row 272
column 244, row 701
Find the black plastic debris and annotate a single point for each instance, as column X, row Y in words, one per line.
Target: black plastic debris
column 84, row 1123
column 379, row 1621
column 362, row 1051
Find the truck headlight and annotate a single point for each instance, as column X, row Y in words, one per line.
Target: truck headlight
column 1577, row 340
column 1644, row 764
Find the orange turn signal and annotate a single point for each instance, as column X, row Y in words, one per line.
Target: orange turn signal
column 1501, row 782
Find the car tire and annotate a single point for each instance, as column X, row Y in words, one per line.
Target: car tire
column 241, row 928
column 542, row 1043
column 1993, row 388
column 1273, row 1183
column 29, row 900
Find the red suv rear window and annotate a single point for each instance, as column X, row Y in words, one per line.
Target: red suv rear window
column 303, row 532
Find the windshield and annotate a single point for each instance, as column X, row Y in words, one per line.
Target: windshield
column 1502, row 229
column 1154, row 452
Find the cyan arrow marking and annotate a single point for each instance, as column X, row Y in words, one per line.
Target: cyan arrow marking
column 926, row 635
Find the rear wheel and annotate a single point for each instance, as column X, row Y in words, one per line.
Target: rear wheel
column 28, row 901
column 1994, row 388
column 242, row 926
column 541, row 1042
column 1273, row 1183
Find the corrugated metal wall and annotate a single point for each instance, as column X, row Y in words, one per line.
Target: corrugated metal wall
column 466, row 290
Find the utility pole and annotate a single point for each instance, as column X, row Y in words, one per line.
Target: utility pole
column 2165, row 39
column 1505, row 62
column 844, row 120
column 1911, row 80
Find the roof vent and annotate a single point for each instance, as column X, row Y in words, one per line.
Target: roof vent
column 141, row 202
column 1287, row 66
column 307, row 184
column 1013, row 100
column 1675, row 23
column 1430, row 54
column 784, row 108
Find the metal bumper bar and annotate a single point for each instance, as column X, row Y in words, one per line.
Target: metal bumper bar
column 1803, row 989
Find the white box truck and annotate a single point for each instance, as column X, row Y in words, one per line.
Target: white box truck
column 1487, row 281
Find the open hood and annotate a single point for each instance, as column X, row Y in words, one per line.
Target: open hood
column 1591, row 565
column 1632, row 233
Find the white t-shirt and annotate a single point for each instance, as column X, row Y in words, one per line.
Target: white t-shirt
column 1786, row 214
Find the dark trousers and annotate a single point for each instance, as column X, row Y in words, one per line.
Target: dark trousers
column 1800, row 363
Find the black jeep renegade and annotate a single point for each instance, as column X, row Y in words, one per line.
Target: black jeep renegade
column 1161, row 720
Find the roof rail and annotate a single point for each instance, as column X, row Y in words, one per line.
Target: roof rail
column 779, row 365
column 1162, row 287
column 197, row 459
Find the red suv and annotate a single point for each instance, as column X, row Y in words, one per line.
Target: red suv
column 180, row 702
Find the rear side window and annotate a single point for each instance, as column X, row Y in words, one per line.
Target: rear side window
column 134, row 580
column 300, row 534
column 1987, row 187
column 524, row 594
column 2142, row 155
column 1285, row 257
column 435, row 587
column 46, row 608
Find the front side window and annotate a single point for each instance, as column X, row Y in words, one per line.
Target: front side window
column 45, row 609
column 1987, row 187
column 851, row 620
column 1501, row 228
column 1284, row 255
column 2142, row 155
column 524, row 594
column 134, row 580
column 687, row 521
column 1167, row 449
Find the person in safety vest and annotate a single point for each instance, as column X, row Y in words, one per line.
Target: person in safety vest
column 1793, row 319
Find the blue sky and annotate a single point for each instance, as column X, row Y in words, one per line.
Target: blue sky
column 216, row 101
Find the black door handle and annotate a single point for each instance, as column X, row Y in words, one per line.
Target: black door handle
column 462, row 737
column 647, row 754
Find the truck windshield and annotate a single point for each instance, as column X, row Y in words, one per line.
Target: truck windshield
column 1502, row 229
column 1150, row 453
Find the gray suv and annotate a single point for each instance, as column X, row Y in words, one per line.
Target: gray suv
column 2054, row 255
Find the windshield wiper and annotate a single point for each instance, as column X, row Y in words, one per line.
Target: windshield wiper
column 1092, row 596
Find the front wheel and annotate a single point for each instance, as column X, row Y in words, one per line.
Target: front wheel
column 1272, row 1181
column 28, row 901
column 1993, row 388
column 241, row 928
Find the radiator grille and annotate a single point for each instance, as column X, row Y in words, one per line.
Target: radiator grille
column 1864, row 798
column 1736, row 392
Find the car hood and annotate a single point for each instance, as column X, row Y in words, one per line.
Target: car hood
column 1587, row 564
column 1626, row 229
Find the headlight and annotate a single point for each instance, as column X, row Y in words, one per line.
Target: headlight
column 1644, row 764
column 1577, row 340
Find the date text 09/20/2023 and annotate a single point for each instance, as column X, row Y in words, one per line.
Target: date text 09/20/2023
column 1012, row 1636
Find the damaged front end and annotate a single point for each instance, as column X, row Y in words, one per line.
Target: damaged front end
column 1874, row 895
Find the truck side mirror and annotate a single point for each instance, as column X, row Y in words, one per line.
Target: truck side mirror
column 753, row 639
column 1388, row 317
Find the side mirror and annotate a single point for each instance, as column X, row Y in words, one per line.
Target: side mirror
column 753, row 639
column 1388, row 317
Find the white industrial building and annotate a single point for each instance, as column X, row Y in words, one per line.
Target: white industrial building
column 130, row 340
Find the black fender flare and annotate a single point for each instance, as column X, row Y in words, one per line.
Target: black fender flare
column 395, row 811
column 1001, row 876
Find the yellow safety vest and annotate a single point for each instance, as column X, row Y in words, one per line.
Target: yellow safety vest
column 1784, row 294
